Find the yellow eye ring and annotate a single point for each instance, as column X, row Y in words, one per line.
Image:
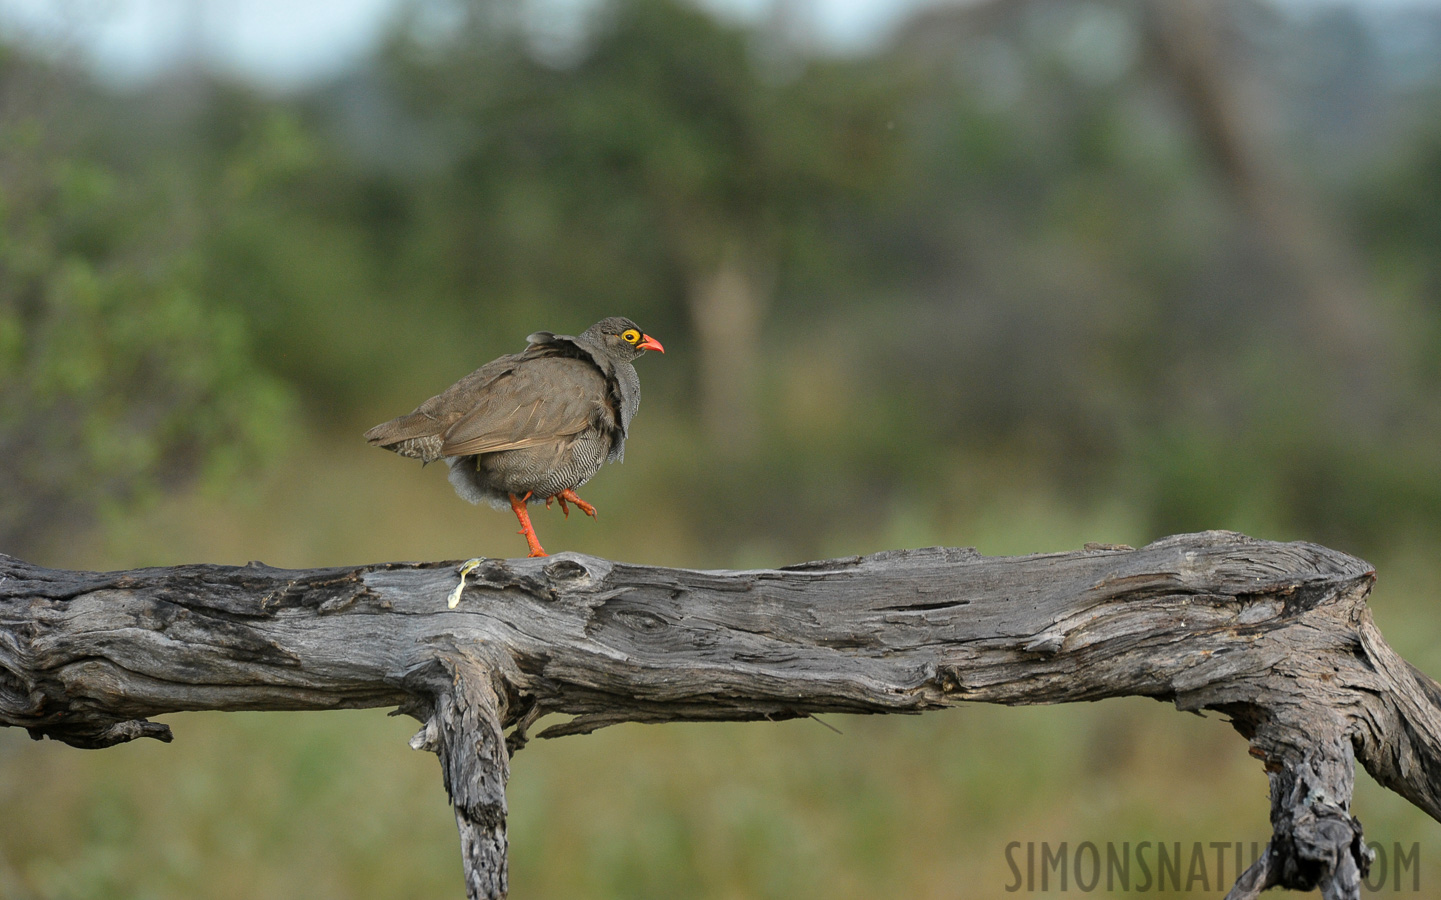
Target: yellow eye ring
column 630, row 336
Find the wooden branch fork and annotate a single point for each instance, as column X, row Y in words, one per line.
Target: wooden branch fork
column 1276, row 637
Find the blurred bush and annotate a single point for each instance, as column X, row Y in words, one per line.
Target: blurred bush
column 118, row 378
column 1071, row 240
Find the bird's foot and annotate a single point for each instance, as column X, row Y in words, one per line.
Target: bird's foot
column 517, row 505
column 563, row 508
column 569, row 494
column 470, row 565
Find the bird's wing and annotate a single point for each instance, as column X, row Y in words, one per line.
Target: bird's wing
column 434, row 416
column 414, row 426
column 535, row 402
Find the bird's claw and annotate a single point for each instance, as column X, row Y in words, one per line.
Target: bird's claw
column 466, row 568
column 573, row 497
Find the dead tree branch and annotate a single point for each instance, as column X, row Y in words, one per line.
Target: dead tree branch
column 1277, row 637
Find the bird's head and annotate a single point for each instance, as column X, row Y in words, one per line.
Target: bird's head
column 621, row 338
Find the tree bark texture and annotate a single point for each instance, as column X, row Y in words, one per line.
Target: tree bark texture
column 1277, row 637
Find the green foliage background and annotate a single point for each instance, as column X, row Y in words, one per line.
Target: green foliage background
column 1004, row 295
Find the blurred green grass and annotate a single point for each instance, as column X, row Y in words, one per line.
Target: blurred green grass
column 336, row 805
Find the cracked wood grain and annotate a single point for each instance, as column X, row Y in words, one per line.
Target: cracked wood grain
column 1277, row 637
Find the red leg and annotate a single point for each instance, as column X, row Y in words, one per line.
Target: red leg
column 570, row 495
column 517, row 505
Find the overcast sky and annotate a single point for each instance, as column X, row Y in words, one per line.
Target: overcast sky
column 283, row 43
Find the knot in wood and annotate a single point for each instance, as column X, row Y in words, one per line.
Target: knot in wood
column 948, row 679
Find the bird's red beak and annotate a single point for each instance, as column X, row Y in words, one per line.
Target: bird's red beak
column 649, row 343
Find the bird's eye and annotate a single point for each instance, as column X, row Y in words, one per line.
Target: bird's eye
column 630, row 336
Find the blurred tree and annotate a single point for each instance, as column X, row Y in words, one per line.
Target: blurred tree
column 1025, row 238
column 668, row 159
column 1399, row 206
column 1338, row 318
column 116, row 377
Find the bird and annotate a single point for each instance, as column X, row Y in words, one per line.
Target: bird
column 531, row 426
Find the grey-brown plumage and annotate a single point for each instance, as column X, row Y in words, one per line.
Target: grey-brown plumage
column 533, row 425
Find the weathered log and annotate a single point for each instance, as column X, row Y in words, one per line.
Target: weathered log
column 1277, row 637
